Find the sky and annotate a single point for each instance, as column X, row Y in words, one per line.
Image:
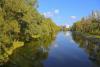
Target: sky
column 66, row 12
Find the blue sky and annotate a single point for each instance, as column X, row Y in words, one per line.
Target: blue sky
column 66, row 12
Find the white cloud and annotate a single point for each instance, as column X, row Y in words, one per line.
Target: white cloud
column 56, row 11
column 51, row 13
column 48, row 14
column 73, row 17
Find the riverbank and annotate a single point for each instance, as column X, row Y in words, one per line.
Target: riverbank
column 88, row 35
column 8, row 51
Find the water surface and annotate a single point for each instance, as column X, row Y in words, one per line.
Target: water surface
column 66, row 50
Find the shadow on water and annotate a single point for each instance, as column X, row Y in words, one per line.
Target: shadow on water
column 91, row 46
column 31, row 54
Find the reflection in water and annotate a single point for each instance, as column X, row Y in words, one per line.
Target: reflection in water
column 62, row 51
column 30, row 55
column 90, row 45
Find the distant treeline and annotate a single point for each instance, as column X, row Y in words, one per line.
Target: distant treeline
column 89, row 24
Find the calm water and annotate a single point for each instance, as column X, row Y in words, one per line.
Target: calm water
column 66, row 50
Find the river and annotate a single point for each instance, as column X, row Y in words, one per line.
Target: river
column 67, row 49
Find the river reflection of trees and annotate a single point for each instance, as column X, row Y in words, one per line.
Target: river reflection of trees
column 32, row 54
column 90, row 44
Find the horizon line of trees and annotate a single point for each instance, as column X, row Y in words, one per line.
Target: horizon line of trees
column 89, row 24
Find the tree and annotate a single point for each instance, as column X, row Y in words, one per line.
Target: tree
column 90, row 25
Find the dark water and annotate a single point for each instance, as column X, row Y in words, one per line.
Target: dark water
column 66, row 50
